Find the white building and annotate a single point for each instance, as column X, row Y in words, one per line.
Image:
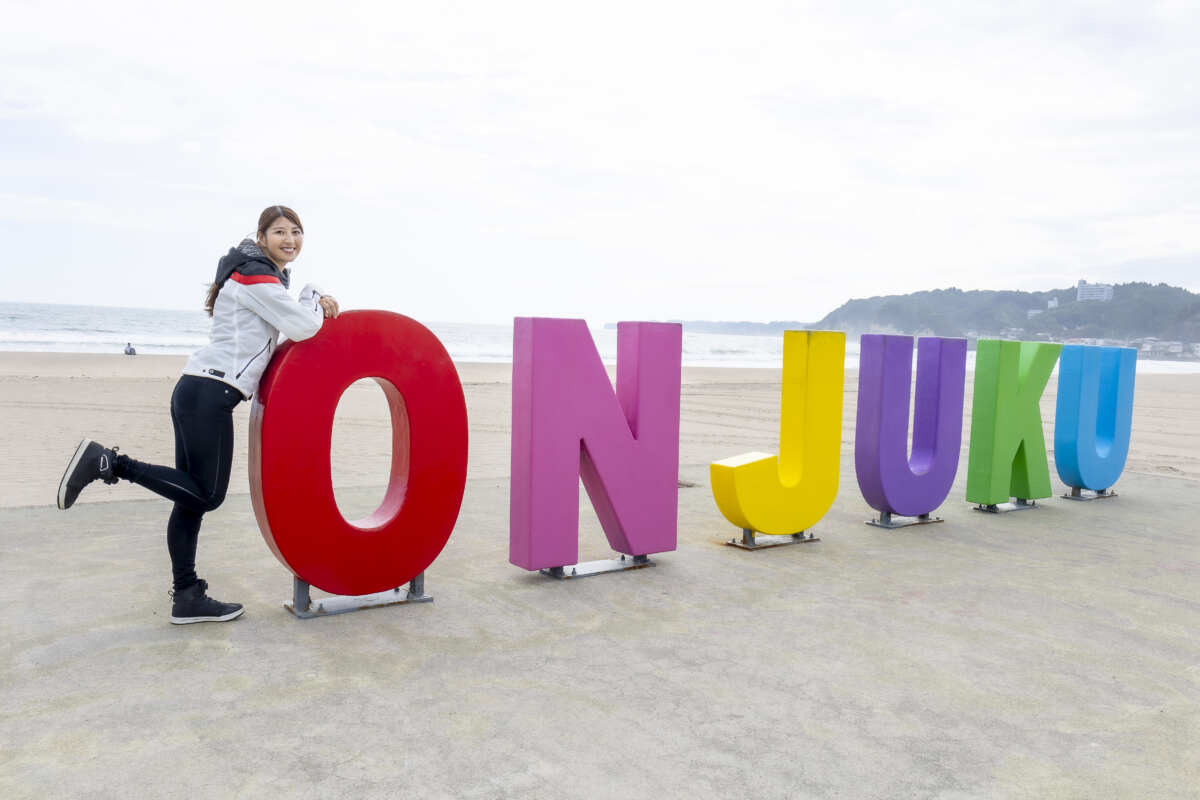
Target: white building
column 1084, row 291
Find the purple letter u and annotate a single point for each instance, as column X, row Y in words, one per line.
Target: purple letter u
column 889, row 479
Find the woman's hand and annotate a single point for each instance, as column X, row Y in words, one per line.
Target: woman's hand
column 329, row 306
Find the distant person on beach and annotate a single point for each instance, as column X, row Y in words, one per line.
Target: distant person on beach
column 250, row 306
column 129, row 351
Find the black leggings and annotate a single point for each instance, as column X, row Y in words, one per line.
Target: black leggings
column 202, row 412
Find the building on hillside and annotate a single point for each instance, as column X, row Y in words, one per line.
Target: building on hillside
column 1156, row 348
column 1102, row 292
column 1033, row 312
column 1052, row 303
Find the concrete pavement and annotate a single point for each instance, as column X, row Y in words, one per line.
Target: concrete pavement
column 1051, row 653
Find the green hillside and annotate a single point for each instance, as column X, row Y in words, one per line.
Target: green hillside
column 1136, row 310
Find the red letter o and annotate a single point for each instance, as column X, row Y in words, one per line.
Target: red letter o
column 291, row 430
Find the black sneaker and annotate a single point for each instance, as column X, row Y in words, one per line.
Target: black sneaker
column 193, row 605
column 91, row 461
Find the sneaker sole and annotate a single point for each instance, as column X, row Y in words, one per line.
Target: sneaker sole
column 75, row 459
column 190, row 620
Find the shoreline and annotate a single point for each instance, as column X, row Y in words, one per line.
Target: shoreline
column 10, row 359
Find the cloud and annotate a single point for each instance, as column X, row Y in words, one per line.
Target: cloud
column 472, row 161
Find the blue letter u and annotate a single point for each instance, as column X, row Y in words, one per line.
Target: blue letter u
column 1095, row 411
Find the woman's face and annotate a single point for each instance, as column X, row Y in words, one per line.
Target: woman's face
column 282, row 241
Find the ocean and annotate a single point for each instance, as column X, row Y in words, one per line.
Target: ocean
column 44, row 327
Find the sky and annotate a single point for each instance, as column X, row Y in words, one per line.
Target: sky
column 612, row 161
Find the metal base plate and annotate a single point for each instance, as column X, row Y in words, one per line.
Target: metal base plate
column 753, row 540
column 1003, row 508
column 1077, row 493
column 586, row 569
column 893, row 521
column 302, row 605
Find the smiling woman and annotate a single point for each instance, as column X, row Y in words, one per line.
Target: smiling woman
column 283, row 238
column 279, row 237
column 250, row 307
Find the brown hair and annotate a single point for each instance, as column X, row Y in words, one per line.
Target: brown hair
column 268, row 216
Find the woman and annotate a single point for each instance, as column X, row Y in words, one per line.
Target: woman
column 250, row 307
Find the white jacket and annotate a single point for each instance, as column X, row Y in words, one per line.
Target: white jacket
column 250, row 313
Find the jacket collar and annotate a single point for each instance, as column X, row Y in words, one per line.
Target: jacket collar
column 248, row 258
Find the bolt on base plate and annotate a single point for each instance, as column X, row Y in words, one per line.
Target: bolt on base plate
column 890, row 521
column 1078, row 493
column 586, row 569
column 302, row 605
column 1018, row 504
column 753, row 540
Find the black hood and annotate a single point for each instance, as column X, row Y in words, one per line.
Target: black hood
column 248, row 259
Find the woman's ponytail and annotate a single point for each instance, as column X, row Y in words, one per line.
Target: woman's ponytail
column 211, row 300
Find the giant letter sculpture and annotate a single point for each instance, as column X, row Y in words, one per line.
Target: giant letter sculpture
column 568, row 424
column 891, row 481
column 291, row 429
column 1008, row 450
column 788, row 493
column 1094, row 415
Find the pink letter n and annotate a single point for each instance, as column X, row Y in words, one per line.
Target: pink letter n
column 568, row 424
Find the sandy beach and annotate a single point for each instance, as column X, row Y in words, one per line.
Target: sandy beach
column 1051, row 653
column 50, row 400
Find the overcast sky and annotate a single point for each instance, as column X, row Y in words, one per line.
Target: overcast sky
column 615, row 160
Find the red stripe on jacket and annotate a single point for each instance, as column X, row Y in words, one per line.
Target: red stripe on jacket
column 249, row 279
